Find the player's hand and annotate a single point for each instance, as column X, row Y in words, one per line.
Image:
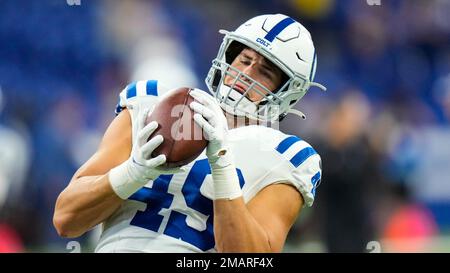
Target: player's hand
column 209, row 116
column 141, row 167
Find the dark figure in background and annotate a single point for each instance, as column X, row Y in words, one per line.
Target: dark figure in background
column 344, row 198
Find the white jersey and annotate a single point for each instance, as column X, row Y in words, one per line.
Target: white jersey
column 174, row 213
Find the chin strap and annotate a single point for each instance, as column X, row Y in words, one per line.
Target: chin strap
column 318, row 85
column 297, row 113
column 300, row 113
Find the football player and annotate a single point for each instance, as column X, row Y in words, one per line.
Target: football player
column 243, row 193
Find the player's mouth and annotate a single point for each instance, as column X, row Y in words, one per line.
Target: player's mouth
column 239, row 88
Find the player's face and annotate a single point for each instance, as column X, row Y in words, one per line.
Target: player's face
column 259, row 69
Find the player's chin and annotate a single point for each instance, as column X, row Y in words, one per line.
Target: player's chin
column 236, row 88
column 242, row 91
column 255, row 98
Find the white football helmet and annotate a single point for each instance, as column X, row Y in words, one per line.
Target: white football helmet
column 282, row 41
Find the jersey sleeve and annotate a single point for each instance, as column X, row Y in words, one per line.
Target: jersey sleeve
column 269, row 156
column 147, row 91
column 304, row 165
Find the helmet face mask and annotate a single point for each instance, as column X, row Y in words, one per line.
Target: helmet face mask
column 283, row 42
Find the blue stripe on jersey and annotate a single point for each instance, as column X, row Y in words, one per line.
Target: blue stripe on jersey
column 312, row 67
column 301, row 156
column 162, row 182
column 278, row 28
column 241, row 177
column 314, row 180
column 118, row 107
column 152, row 88
column 131, row 90
column 160, row 186
column 286, row 143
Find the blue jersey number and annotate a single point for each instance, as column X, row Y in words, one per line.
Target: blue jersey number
column 157, row 198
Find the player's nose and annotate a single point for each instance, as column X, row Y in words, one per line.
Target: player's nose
column 250, row 70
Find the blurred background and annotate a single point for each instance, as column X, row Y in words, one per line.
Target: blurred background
column 382, row 128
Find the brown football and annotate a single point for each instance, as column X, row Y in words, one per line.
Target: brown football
column 183, row 138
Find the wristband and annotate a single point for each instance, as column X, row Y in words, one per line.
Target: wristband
column 121, row 182
column 225, row 179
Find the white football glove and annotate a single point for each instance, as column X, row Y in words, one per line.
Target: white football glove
column 134, row 173
column 209, row 116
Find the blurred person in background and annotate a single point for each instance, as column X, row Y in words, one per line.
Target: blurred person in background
column 420, row 154
column 346, row 218
column 14, row 162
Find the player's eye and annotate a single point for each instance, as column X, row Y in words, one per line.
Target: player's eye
column 266, row 74
column 245, row 62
